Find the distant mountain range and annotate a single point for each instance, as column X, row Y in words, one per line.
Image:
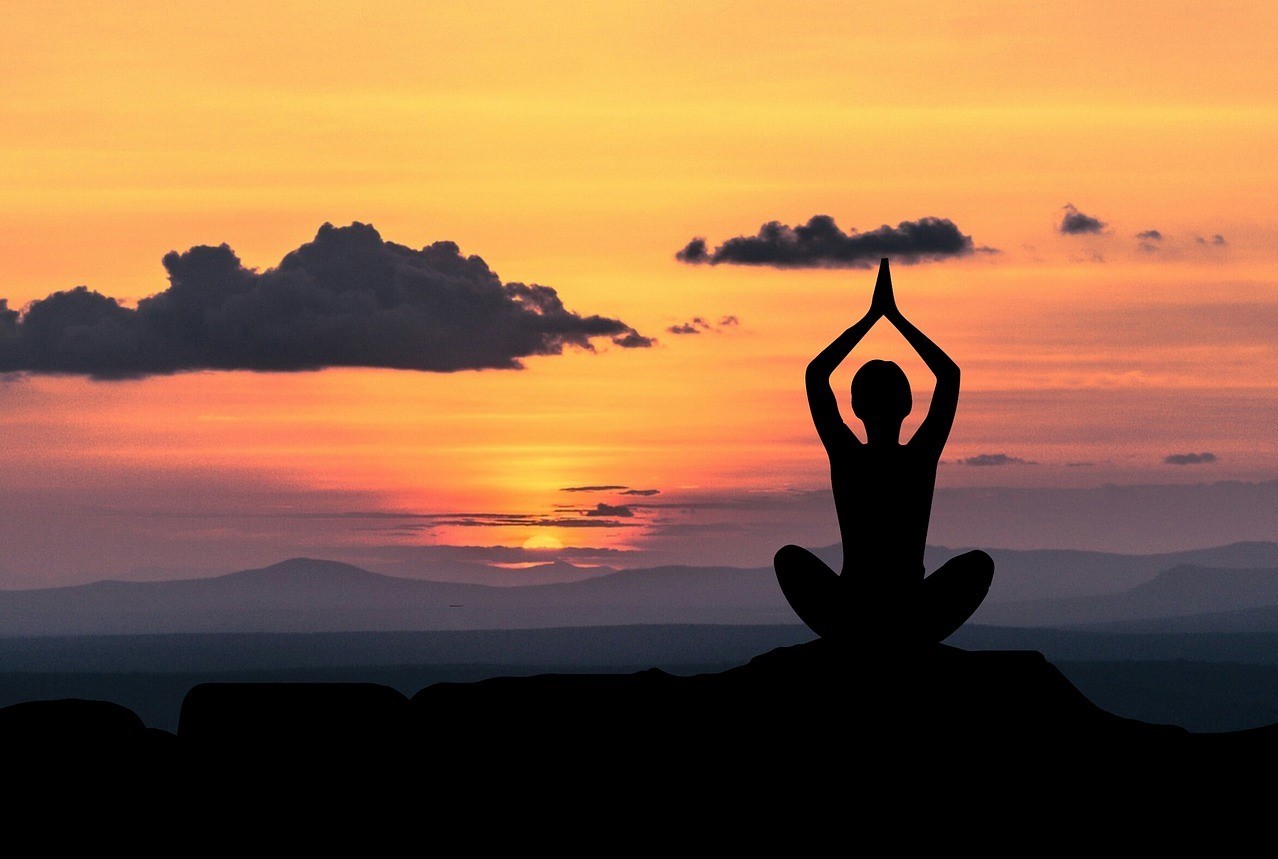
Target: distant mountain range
column 309, row 595
column 1185, row 598
column 1060, row 573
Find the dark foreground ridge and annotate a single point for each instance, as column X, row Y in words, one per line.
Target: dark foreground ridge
column 966, row 723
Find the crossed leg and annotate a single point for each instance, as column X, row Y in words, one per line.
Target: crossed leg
column 812, row 589
column 951, row 594
column 830, row 607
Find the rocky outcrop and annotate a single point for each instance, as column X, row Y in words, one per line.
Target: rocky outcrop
column 798, row 725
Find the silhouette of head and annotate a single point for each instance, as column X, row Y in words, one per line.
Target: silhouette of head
column 881, row 393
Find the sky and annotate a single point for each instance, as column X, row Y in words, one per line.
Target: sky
column 497, row 285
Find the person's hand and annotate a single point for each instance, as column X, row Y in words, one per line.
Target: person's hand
column 884, row 302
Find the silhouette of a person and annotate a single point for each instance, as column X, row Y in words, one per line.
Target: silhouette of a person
column 883, row 498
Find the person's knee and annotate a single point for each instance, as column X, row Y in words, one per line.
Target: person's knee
column 978, row 557
column 787, row 556
column 979, row 563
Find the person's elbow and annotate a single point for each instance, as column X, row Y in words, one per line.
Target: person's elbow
column 817, row 376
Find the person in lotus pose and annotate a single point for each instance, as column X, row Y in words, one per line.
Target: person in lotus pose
column 883, row 498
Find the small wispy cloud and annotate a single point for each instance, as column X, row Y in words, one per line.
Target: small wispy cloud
column 1149, row 241
column 1189, row 458
column 618, row 511
column 985, row 460
column 699, row 323
column 1075, row 223
column 618, row 488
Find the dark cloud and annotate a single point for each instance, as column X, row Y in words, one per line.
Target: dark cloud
column 699, row 323
column 1150, row 235
column 8, row 318
column 821, row 244
column 992, row 459
column 694, row 252
column 1076, row 223
column 633, row 340
column 1189, row 458
column 1217, row 239
column 346, row 299
column 644, row 492
column 618, row 511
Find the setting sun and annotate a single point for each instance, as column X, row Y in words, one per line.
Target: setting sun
column 542, row 541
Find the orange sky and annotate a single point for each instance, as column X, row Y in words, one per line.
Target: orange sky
column 579, row 145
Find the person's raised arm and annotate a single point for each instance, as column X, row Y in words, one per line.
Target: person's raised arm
column 821, row 401
column 935, row 428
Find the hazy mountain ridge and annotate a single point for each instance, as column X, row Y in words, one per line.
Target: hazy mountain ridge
column 1182, row 591
column 306, row 595
column 1022, row 574
column 312, row 595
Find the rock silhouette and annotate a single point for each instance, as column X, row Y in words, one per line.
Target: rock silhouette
column 998, row 700
column 802, row 742
column 346, row 720
column 883, row 497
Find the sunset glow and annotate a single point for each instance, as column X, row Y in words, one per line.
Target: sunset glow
column 579, row 146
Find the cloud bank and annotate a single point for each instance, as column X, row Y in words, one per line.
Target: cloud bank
column 346, row 299
column 821, row 244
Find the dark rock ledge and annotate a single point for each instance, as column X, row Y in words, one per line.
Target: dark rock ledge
column 798, row 724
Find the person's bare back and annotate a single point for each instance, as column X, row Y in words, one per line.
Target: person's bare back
column 883, row 497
